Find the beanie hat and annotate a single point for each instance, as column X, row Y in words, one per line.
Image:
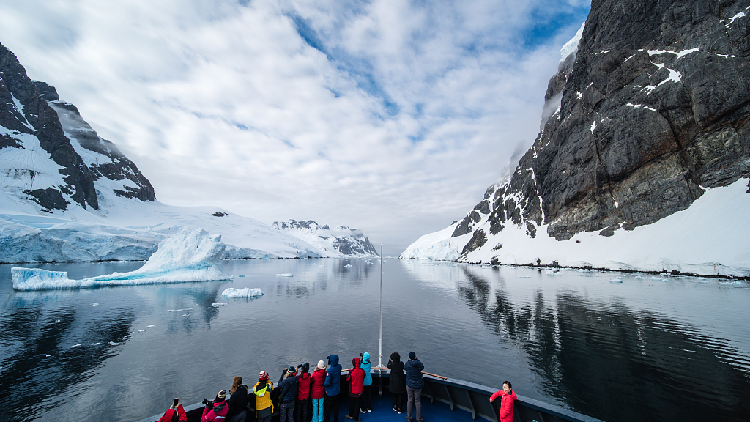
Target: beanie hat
column 321, row 364
column 263, row 376
column 412, row 355
column 222, row 394
column 306, row 367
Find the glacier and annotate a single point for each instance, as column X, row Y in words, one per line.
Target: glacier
column 187, row 256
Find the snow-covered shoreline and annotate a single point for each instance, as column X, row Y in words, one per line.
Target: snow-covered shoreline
column 709, row 239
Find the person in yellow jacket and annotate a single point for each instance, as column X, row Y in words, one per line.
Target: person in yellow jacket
column 263, row 404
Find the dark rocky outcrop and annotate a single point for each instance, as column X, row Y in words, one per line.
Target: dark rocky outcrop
column 344, row 240
column 33, row 108
column 654, row 109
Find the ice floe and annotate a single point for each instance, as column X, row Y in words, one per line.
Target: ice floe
column 246, row 292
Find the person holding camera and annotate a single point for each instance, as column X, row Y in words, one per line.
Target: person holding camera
column 355, row 379
column 318, row 391
column 216, row 410
column 175, row 413
column 263, row 403
column 304, row 380
column 288, row 386
column 414, row 384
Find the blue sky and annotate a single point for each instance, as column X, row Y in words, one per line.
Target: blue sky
column 391, row 116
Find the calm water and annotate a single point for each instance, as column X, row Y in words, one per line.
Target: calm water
column 647, row 348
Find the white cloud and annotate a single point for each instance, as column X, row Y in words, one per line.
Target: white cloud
column 224, row 104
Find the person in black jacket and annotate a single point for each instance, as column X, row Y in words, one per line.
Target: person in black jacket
column 414, row 384
column 288, row 387
column 397, row 383
column 237, row 401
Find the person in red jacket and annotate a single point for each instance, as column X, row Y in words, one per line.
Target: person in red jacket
column 303, row 394
column 216, row 411
column 508, row 398
column 175, row 413
column 318, row 391
column 356, row 379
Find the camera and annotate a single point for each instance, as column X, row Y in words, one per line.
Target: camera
column 208, row 402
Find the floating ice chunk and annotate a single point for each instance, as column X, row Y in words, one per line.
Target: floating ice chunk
column 524, row 276
column 150, row 326
column 47, row 356
column 141, row 331
column 94, row 304
column 615, row 281
column 285, row 275
column 185, row 257
column 246, row 292
column 241, row 275
column 217, row 304
column 186, row 315
column 76, row 345
column 96, row 344
column 112, row 343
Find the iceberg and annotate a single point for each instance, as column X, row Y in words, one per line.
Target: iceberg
column 187, row 256
column 246, row 292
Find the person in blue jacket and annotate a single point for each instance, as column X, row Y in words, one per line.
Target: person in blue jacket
column 288, row 386
column 414, row 384
column 333, row 388
column 367, row 385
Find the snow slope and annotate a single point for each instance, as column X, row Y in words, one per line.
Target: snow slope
column 338, row 242
column 708, row 238
column 186, row 256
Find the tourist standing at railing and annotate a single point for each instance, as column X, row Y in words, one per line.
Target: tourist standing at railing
column 237, row 401
column 318, row 391
column 263, row 402
column 355, row 379
column 414, row 383
column 175, row 413
column 303, row 394
column 367, row 384
column 288, row 386
column 397, row 382
column 508, row 397
column 216, row 410
column 333, row 388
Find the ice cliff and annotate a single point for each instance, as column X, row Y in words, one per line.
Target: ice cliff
column 187, row 256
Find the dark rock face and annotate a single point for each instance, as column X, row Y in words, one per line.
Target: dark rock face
column 655, row 108
column 38, row 119
column 33, row 108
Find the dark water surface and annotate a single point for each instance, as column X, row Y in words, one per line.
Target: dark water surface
column 616, row 347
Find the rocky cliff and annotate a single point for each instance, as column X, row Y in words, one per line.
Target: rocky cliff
column 654, row 109
column 31, row 115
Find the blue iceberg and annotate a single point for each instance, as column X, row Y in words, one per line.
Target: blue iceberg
column 187, row 256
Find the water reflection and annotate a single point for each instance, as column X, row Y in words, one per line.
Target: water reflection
column 44, row 351
column 615, row 364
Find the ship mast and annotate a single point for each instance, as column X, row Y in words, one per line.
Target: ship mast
column 380, row 340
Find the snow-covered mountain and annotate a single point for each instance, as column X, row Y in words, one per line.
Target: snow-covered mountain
column 643, row 159
column 337, row 242
column 67, row 195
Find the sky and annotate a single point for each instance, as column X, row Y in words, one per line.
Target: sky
column 390, row 116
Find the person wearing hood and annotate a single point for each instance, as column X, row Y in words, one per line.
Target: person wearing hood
column 333, row 388
column 216, row 411
column 303, row 394
column 397, row 382
column 237, row 401
column 367, row 384
column 318, row 391
column 355, row 379
column 176, row 413
column 263, row 403
column 508, row 397
column 288, row 386
column 414, row 383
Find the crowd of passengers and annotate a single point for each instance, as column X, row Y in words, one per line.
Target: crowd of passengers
column 301, row 396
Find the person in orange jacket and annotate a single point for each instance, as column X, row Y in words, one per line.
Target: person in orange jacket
column 508, row 398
